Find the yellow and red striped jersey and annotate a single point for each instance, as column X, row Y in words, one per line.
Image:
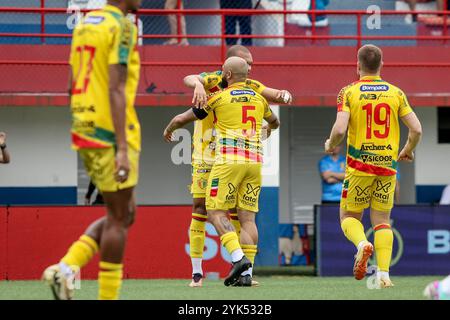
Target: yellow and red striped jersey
column 373, row 133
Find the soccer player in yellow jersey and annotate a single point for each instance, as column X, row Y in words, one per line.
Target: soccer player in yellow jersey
column 203, row 152
column 369, row 110
column 235, row 178
column 104, row 77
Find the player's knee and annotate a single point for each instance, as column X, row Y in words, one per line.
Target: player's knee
column 131, row 216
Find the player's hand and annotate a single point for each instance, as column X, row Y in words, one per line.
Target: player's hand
column 122, row 166
column 406, row 155
column 327, row 146
column 266, row 132
column 2, row 138
column 200, row 98
column 284, row 96
column 168, row 136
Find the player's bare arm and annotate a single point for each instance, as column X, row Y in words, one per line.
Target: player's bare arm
column 272, row 123
column 118, row 78
column 197, row 83
column 338, row 132
column 414, row 136
column 180, row 121
column 277, row 96
column 4, row 154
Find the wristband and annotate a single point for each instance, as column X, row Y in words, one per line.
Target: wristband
column 3, row 146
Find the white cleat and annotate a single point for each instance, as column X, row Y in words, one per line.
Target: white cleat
column 62, row 286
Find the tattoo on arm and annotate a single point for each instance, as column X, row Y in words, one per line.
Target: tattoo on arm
column 226, row 224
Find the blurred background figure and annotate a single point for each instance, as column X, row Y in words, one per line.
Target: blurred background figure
column 332, row 172
column 410, row 18
column 177, row 24
column 98, row 199
column 4, row 154
column 231, row 22
column 445, row 198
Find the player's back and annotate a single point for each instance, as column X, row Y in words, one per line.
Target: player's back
column 101, row 39
column 374, row 133
column 239, row 111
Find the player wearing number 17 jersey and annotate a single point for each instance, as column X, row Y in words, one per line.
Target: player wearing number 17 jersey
column 104, row 65
column 369, row 109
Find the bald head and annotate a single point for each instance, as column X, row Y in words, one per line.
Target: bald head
column 241, row 52
column 235, row 69
column 370, row 59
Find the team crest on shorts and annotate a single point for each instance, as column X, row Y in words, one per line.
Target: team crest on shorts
column 202, row 183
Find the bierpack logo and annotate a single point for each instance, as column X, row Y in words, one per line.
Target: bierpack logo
column 214, row 187
column 374, row 87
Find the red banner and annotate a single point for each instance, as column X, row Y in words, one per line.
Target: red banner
column 157, row 246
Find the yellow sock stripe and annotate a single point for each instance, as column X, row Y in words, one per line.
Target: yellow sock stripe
column 108, row 266
column 202, row 217
column 89, row 241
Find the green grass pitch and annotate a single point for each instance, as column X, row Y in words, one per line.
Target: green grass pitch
column 276, row 288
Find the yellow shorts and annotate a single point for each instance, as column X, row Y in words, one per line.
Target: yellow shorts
column 234, row 185
column 100, row 165
column 200, row 176
column 360, row 192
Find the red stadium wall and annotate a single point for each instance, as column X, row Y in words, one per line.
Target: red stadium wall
column 313, row 74
column 31, row 238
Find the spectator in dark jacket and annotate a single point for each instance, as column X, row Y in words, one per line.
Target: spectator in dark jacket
column 245, row 22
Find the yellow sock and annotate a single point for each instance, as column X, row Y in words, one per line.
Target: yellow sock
column 384, row 239
column 81, row 252
column 250, row 251
column 353, row 230
column 109, row 280
column 235, row 222
column 197, row 235
column 230, row 241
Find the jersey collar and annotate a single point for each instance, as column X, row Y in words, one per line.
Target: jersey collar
column 370, row 78
column 237, row 84
column 114, row 9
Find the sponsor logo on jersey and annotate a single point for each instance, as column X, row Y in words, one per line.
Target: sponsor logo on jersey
column 378, row 160
column 373, row 147
column 93, row 20
column 240, row 99
column 242, row 92
column 374, row 87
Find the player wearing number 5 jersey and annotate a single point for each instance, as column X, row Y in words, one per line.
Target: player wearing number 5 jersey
column 369, row 111
column 235, row 178
column 104, row 65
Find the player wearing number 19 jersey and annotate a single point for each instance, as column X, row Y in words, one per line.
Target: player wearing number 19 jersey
column 105, row 67
column 370, row 109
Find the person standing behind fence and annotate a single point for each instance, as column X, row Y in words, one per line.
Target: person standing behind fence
column 245, row 22
column 4, row 154
column 175, row 25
